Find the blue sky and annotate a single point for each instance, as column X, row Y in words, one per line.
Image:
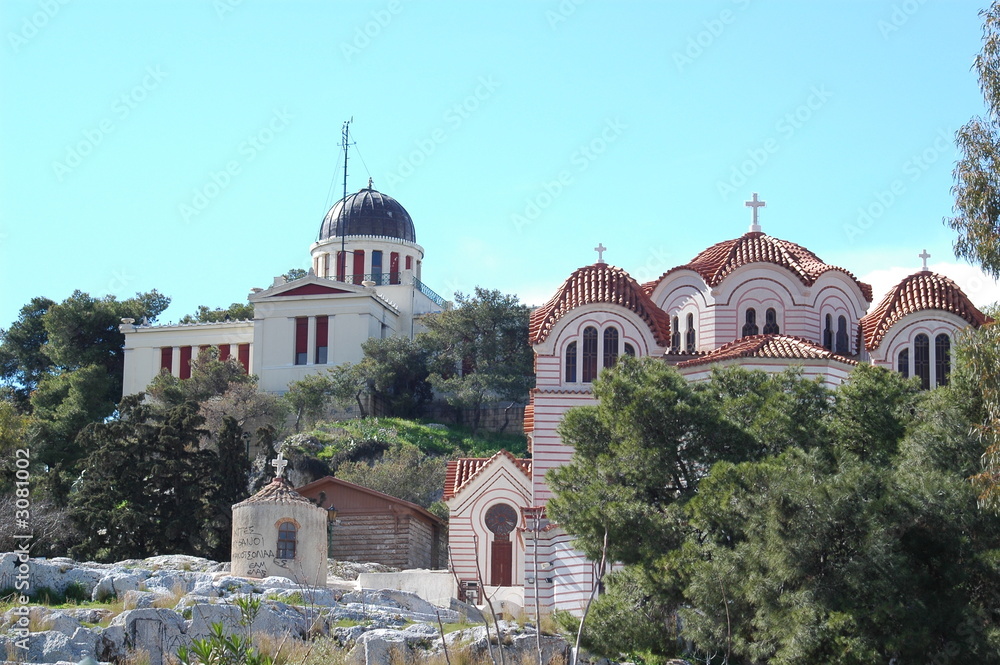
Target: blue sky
column 192, row 146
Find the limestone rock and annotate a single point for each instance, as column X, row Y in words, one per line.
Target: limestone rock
column 117, row 582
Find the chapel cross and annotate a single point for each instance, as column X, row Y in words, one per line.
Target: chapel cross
column 756, row 205
column 600, row 249
column 924, row 255
column 279, row 464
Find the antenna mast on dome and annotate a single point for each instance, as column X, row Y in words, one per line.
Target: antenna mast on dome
column 345, row 143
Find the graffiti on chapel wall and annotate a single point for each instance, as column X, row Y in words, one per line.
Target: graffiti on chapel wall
column 248, row 545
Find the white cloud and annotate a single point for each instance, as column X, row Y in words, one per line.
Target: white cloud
column 981, row 289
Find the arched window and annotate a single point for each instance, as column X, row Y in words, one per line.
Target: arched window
column 571, row 362
column 629, row 350
column 843, row 341
column 589, row 354
column 828, row 333
column 689, row 336
column 771, row 321
column 922, row 360
column 942, row 359
column 750, row 327
column 903, row 363
column 286, row 540
column 675, row 336
column 610, row 347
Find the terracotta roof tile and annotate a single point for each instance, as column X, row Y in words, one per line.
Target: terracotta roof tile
column 720, row 260
column 461, row 471
column 278, row 490
column 784, row 347
column 920, row 291
column 598, row 283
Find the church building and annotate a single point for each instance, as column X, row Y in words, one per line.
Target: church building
column 364, row 282
column 755, row 301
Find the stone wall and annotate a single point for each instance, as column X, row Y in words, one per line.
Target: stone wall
column 398, row 541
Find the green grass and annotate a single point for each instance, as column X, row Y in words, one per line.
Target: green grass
column 456, row 439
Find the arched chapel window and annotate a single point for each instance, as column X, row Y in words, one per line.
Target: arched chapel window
column 903, row 363
column 750, row 326
column 828, row 333
column 589, row 354
column 675, row 335
column 689, row 336
column 771, row 321
column 286, row 540
column 922, row 360
column 610, row 347
column 843, row 341
column 942, row 359
column 629, row 350
column 571, row 362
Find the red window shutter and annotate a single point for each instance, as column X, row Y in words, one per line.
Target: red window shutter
column 185, row 362
column 359, row 266
column 394, row 268
column 409, row 263
column 167, row 358
column 223, row 352
column 340, row 266
column 322, row 329
column 243, row 353
column 301, row 334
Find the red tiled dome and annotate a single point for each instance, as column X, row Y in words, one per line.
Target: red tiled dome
column 920, row 291
column 720, row 260
column 595, row 284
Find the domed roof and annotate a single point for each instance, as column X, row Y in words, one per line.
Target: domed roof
column 598, row 283
column 722, row 259
column 368, row 213
column 920, row 291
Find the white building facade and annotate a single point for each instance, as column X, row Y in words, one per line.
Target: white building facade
column 364, row 283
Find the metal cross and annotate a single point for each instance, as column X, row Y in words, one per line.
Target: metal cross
column 755, row 204
column 279, row 464
column 924, row 255
column 600, row 249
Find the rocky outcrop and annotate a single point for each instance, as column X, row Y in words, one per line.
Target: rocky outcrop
column 170, row 601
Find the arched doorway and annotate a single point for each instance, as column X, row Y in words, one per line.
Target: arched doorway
column 501, row 520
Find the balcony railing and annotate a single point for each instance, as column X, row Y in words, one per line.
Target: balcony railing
column 427, row 291
column 391, row 279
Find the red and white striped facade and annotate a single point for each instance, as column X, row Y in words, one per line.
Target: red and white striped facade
column 695, row 316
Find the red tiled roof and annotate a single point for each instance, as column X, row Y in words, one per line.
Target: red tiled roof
column 461, row 471
column 768, row 346
column 529, row 417
column 920, row 291
column 278, row 490
column 597, row 283
column 720, row 260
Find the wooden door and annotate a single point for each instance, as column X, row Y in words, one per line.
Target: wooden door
column 501, row 563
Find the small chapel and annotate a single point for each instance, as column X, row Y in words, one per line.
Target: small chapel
column 756, row 301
